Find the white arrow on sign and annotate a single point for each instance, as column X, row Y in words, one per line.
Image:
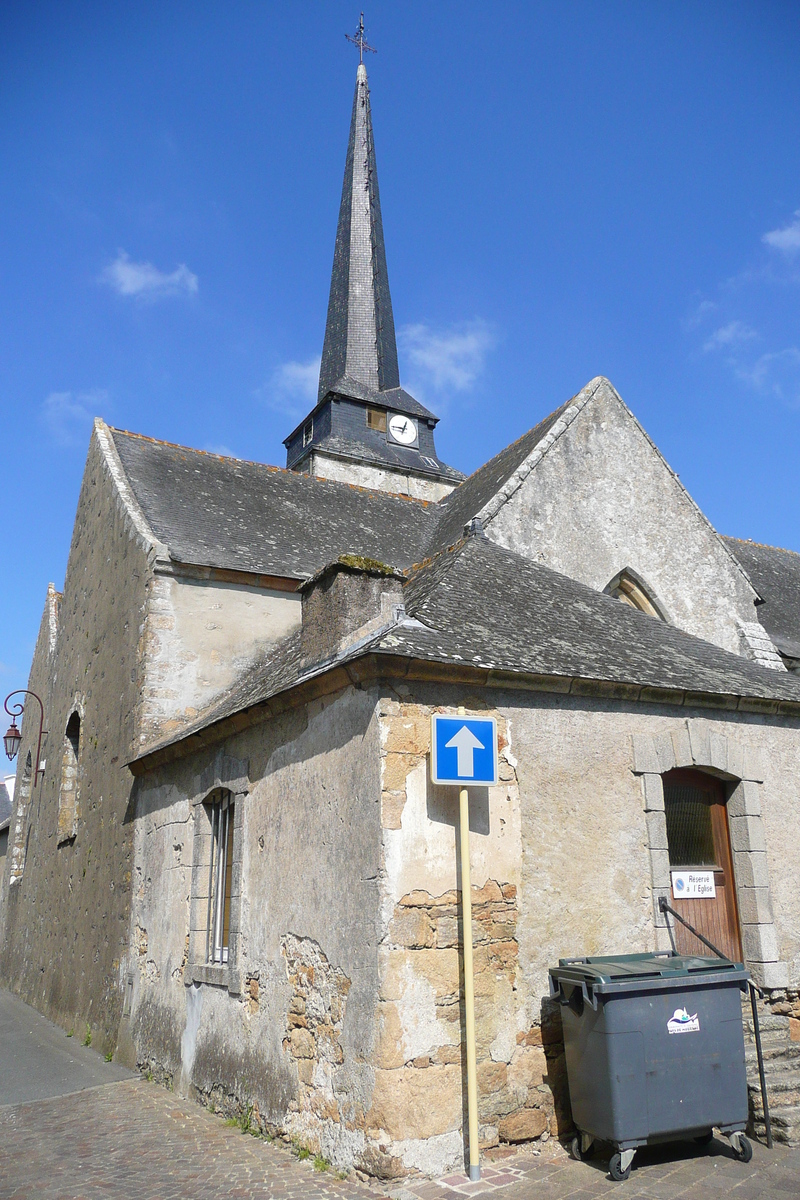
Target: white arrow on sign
column 466, row 744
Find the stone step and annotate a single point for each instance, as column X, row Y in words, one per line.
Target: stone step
column 785, row 1126
column 767, row 1022
column 783, row 1091
column 787, row 1058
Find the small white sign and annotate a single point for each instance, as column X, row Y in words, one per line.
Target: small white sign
column 693, row 885
column 681, row 1022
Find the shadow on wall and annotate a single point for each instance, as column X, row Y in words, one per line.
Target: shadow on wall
column 553, row 1045
column 442, row 805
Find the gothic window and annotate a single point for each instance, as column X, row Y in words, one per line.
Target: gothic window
column 220, row 806
column 628, row 588
column 68, row 793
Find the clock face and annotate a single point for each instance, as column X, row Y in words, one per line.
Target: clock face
column 403, row 429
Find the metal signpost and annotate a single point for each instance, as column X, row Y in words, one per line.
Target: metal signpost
column 464, row 751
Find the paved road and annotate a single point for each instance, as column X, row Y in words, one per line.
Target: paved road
column 38, row 1060
column 133, row 1140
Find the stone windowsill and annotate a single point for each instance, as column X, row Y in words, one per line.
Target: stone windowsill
column 218, row 974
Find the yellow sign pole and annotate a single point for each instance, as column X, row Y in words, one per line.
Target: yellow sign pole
column 469, row 984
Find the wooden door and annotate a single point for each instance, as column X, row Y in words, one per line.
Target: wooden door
column 698, row 838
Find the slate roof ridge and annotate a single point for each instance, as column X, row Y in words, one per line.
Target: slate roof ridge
column 727, row 537
column 287, row 472
column 443, row 559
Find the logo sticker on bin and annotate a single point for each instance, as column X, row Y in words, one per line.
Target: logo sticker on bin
column 681, row 1022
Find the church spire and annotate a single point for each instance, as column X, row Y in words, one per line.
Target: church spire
column 359, row 353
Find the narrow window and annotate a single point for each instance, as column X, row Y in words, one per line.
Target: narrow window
column 221, row 808
column 630, row 590
column 68, row 793
column 376, row 419
column 308, row 433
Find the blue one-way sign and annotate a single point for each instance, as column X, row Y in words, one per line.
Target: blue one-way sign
column 463, row 749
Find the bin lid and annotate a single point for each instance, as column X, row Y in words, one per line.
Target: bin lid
column 606, row 971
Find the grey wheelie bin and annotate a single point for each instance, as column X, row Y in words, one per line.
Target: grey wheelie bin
column 654, row 1049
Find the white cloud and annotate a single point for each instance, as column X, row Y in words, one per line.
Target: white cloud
column 220, row 449
column 145, row 282
column 448, row 359
column 699, row 315
column 68, row 416
column 732, row 334
column 786, row 239
column 776, row 374
column 292, row 388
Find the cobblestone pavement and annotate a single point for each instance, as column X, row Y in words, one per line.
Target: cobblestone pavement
column 136, row 1141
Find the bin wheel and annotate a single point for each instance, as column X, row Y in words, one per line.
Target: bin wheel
column 744, row 1151
column 577, row 1153
column 703, row 1139
column 615, row 1168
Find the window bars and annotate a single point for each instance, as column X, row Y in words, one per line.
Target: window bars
column 219, row 883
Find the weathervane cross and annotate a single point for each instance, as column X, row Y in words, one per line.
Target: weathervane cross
column 359, row 40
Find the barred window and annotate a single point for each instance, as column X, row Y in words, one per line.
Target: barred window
column 221, row 808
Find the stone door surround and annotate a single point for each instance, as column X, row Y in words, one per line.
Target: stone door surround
column 698, row 743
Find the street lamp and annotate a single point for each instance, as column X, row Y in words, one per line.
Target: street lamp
column 13, row 738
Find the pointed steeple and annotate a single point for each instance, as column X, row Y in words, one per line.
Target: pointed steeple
column 360, row 346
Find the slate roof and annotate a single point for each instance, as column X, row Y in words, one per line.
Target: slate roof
column 480, row 605
column 489, row 607
column 359, row 330
column 775, row 574
column 467, row 500
column 226, row 513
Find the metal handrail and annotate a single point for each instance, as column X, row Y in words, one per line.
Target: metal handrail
column 665, row 907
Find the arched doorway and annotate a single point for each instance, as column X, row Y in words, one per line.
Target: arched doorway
column 699, row 841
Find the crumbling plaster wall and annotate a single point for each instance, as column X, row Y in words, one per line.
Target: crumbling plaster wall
column 602, row 499
column 561, row 865
column 200, row 635
column 66, row 918
column 286, row 1034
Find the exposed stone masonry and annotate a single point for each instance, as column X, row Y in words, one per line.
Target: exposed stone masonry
column 313, row 1028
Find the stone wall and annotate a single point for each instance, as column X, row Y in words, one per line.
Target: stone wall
column 561, row 866
column 200, row 635
column 286, row 1030
column 65, row 911
column 602, row 499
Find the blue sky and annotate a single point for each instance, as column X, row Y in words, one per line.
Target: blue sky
column 568, row 189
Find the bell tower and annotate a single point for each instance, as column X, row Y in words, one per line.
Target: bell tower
column 365, row 428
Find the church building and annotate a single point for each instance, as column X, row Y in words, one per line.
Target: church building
column 235, row 869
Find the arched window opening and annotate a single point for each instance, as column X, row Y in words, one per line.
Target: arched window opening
column 628, row 588
column 22, row 796
column 68, row 794
column 220, row 806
